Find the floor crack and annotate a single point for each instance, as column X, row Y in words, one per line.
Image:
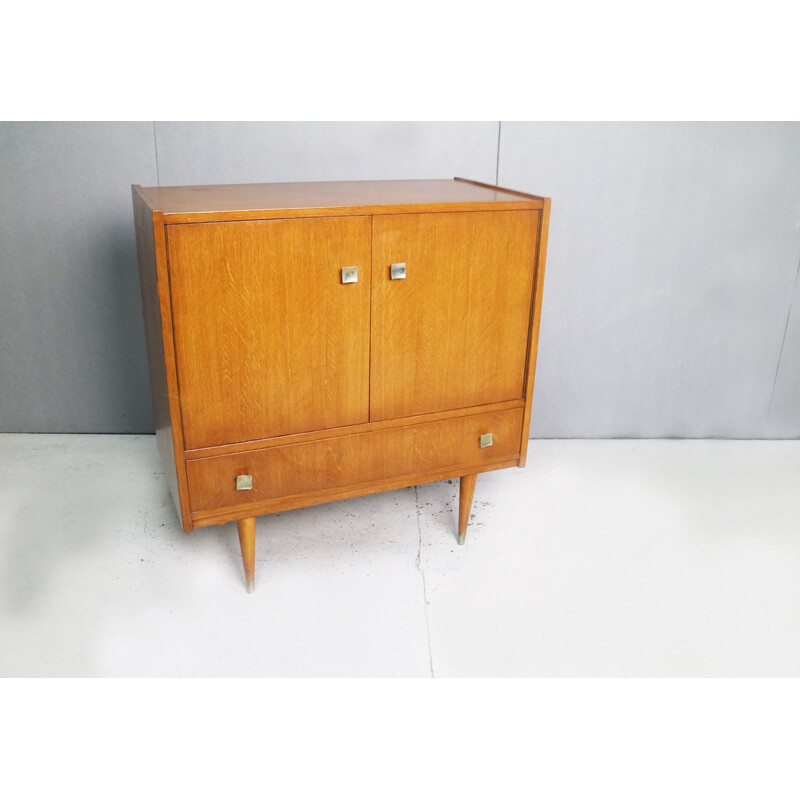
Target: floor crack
column 424, row 585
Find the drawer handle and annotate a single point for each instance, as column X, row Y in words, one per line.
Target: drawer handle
column 486, row 440
column 349, row 274
column 244, row 482
column 398, row 272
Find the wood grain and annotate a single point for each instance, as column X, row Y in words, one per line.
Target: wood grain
column 313, row 467
column 269, row 341
column 262, row 362
column 454, row 332
column 220, row 516
column 181, row 204
column 536, row 317
column 154, row 284
column 348, row 430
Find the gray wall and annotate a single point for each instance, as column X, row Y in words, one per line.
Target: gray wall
column 674, row 252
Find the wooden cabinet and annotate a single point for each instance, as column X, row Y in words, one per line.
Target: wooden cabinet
column 311, row 342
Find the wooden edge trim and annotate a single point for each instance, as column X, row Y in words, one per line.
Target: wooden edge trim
column 245, row 215
column 502, row 189
column 223, row 515
column 541, row 257
column 168, row 336
column 146, row 196
column 349, row 430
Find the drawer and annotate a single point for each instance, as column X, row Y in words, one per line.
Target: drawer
column 350, row 461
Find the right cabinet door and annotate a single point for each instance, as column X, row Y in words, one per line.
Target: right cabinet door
column 453, row 332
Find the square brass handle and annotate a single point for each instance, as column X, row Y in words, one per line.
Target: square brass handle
column 244, row 482
column 349, row 274
column 398, row 272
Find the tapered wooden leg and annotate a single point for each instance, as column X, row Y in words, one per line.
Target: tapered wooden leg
column 465, row 504
column 247, row 540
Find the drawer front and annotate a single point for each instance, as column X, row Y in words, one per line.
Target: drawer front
column 334, row 463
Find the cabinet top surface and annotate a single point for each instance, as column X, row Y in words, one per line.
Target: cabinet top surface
column 250, row 200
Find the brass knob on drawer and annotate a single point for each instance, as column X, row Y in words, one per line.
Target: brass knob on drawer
column 486, row 440
column 244, row 482
column 398, row 271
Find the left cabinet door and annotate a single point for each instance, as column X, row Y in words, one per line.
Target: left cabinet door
column 268, row 339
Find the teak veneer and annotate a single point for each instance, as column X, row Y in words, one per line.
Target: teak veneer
column 310, row 342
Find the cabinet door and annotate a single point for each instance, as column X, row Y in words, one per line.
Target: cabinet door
column 454, row 332
column 268, row 339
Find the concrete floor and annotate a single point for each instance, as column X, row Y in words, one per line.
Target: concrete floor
column 602, row 558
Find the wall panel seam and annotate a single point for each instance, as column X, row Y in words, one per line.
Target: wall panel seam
column 783, row 340
column 497, row 165
column 155, row 148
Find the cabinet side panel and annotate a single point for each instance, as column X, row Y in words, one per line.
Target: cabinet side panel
column 151, row 307
column 536, row 315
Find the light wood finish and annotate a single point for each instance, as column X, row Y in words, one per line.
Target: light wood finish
column 247, row 541
column 157, row 312
column 536, row 317
column 454, row 332
column 326, row 464
column 263, row 363
column 181, row 204
column 465, row 494
column 497, row 188
column 269, row 341
column 223, row 515
column 349, row 430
